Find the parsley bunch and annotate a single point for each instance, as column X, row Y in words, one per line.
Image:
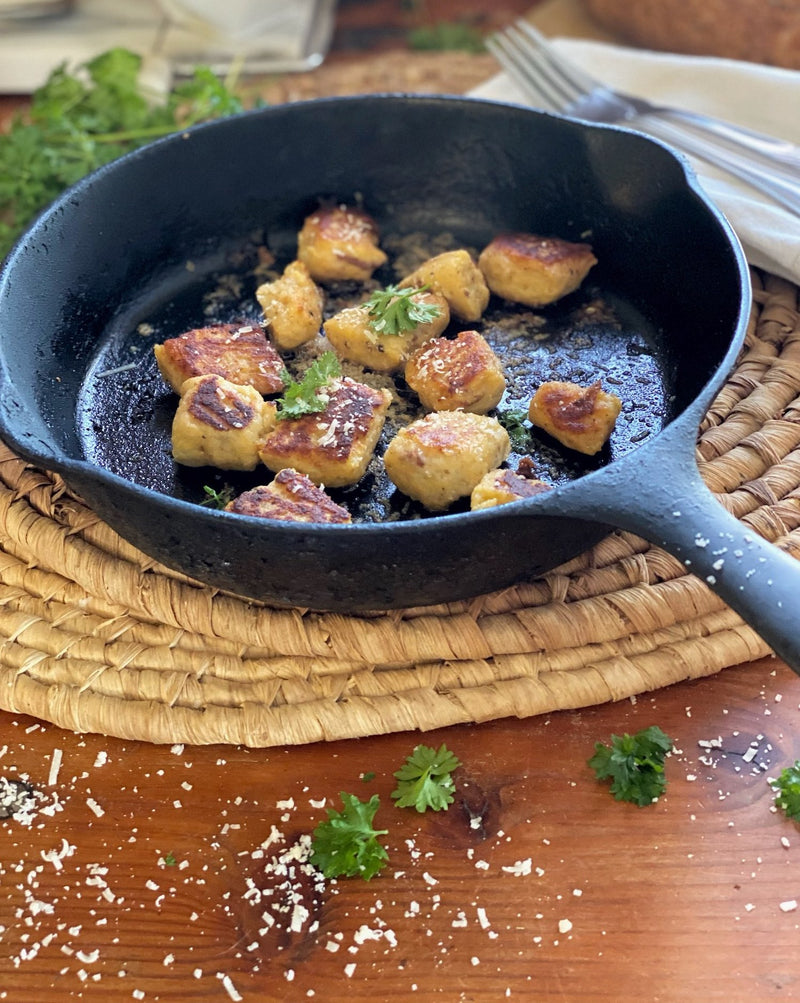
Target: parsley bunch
column 79, row 121
column 425, row 779
column 305, row 397
column 787, row 791
column 635, row 765
column 346, row 845
column 393, row 310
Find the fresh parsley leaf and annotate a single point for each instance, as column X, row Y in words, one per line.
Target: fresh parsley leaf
column 79, row 121
column 347, row 845
column 393, row 310
column 307, row 396
column 169, row 860
column 634, row 764
column 425, row 780
column 447, row 35
column 513, row 421
column 787, row 791
column 217, row 499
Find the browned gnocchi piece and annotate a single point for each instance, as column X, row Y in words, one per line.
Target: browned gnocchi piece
column 220, row 424
column 581, row 418
column 239, row 353
column 533, row 270
column 455, row 276
column 340, row 243
column 353, row 336
column 290, row 497
column 292, row 306
column 501, row 486
column 464, row 373
column 334, row 446
column 441, row 457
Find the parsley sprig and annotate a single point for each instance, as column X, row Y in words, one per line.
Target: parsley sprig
column 425, row 779
column 78, row 121
column 634, row 764
column 307, row 396
column 394, row 310
column 347, row 844
column 787, row 791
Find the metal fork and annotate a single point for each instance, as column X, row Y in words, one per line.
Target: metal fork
column 772, row 165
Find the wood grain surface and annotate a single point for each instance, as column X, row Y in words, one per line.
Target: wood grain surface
column 147, row 872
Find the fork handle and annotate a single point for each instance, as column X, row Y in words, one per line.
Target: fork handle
column 774, row 151
column 780, row 187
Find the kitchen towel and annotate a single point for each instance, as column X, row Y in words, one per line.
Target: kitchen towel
column 763, row 98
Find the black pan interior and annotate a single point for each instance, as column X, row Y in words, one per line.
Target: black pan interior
column 125, row 409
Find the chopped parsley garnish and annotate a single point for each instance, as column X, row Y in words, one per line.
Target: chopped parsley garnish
column 217, row 499
column 513, row 421
column 306, row 397
column 79, row 121
column 346, row 845
column 787, row 791
column 634, row 764
column 393, row 310
column 425, row 779
column 447, row 35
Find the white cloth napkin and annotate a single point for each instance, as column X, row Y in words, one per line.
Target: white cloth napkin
column 759, row 97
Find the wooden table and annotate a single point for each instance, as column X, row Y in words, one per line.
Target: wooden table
column 154, row 873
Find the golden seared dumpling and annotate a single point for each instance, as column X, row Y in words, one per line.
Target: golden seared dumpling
column 533, row 270
column 353, row 336
column 441, row 457
column 220, row 424
column 456, row 276
column 292, row 306
column 501, row 486
column 464, row 373
column 334, row 446
column 239, row 353
column 581, row 418
column 338, row 243
column 291, row 497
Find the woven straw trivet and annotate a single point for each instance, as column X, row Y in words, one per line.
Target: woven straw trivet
column 98, row 638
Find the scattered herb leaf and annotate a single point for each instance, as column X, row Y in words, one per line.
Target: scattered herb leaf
column 425, row 779
column 635, row 765
column 169, row 860
column 368, row 777
column 447, row 35
column 306, row 397
column 79, row 121
column 346, row 845
column 217, row 499
column 787, row 791
column 513, row 421
column 393, row 310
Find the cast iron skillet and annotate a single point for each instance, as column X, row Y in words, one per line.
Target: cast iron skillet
column 140, row 237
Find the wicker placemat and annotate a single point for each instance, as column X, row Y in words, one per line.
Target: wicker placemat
column 98, row 638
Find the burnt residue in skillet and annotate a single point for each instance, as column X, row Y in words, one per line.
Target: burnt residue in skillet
column 125, row 408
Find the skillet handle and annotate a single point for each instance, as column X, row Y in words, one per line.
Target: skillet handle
column 668, row 503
